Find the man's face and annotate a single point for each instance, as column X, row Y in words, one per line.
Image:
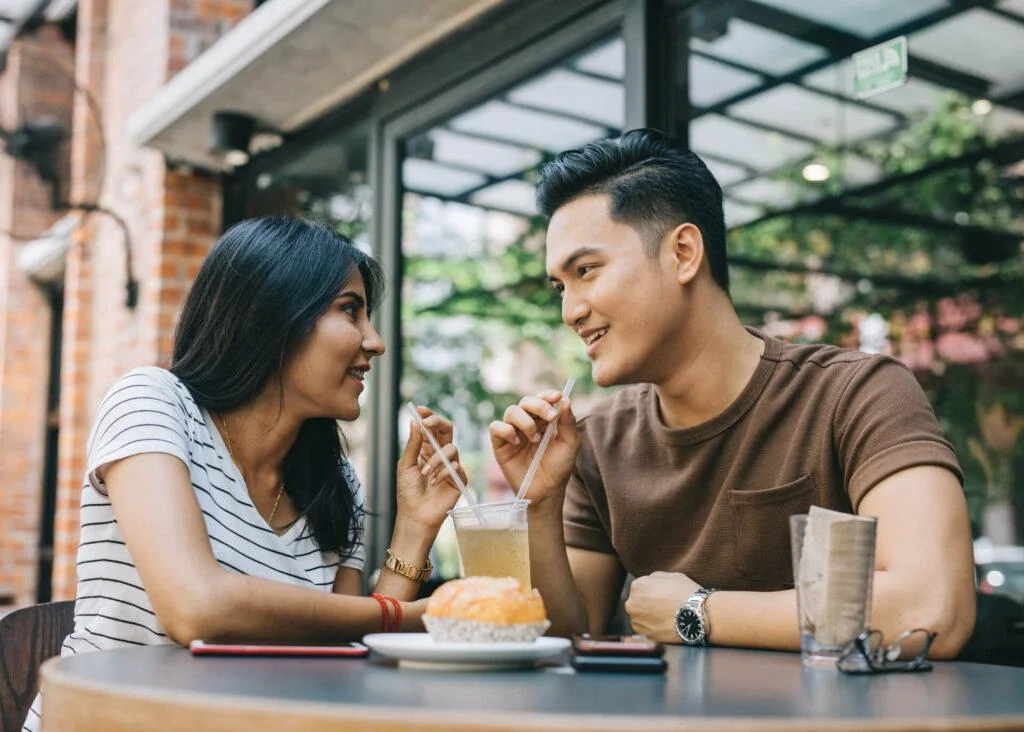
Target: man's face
column 622, row 303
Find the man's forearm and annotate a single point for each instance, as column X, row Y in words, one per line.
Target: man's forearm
column 550, row 571
column 769, row 619
column 754, row 619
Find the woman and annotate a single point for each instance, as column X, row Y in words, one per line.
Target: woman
column 218, row 503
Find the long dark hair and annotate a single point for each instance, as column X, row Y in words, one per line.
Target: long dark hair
column 255, row 300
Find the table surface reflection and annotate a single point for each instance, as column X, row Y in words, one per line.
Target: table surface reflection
column 165, row 687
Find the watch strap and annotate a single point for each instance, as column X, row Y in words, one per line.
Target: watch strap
column 695, row 602
column 405, row 569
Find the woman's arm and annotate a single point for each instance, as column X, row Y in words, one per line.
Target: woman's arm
column 425, row 494
column 192, row 595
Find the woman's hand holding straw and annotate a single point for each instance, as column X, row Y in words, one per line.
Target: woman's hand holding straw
column 463, row 488
column 549, row 432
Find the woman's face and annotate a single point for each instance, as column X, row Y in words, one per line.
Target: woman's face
column 324, row 377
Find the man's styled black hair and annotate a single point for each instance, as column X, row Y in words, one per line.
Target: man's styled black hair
column 653, row 184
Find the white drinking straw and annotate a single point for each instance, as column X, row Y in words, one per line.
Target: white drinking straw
column 463, row 489
column 548, row 434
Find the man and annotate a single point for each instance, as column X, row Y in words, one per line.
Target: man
column 686, row 479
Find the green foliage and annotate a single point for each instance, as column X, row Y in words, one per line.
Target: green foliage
column 947, row 225
column 481, row 310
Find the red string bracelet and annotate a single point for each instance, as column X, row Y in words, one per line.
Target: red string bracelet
column 384, row 614
column 398, row 613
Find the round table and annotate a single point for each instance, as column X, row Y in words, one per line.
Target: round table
column 165, row 687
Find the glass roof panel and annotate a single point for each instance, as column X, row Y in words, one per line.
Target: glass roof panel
column 426, row 176
column 607, row 60
column 860, row 172
column 711, row 82
column 760, row 48
column 1003, row 121
column 915, row 98
column 865, row 18
column 494, row 158
column 511, row 195
column 724, row 172
column 560, row 90
column 737, row 213
column 766, row 192
column 792, row 108
column 976, row 41
column 505, row 122
column 729, row 139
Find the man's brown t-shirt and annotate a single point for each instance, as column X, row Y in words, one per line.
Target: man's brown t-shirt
column 816, row 425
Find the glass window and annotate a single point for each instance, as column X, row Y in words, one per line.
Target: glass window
column 480, row 324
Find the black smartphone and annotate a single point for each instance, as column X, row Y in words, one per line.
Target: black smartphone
column 616, row 645
column 620, row 663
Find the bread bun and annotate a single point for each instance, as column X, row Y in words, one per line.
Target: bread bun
column 500, row 600
column 485, row 609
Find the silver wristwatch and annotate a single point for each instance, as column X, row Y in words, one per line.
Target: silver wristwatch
column 691, row 621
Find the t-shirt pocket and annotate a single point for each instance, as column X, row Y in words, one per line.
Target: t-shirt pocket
column 760, row 530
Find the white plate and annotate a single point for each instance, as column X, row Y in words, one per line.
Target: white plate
column 420, row 648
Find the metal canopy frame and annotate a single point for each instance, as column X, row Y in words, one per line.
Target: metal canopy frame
column 663, row 92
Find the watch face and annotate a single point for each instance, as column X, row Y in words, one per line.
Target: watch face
column 689, row 626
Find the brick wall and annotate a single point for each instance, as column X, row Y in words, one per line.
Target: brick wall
column 125, row 53
column 36, row 84
column 195, row 25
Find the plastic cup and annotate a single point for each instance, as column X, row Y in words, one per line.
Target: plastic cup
column 494, row 540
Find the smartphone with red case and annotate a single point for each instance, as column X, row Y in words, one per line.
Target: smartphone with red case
column 616, row 645
column 345, row 650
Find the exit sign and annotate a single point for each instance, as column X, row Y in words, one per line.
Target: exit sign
column 880, row 68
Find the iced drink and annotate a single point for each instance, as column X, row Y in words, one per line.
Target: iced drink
column 833, row 567
column 493, row 540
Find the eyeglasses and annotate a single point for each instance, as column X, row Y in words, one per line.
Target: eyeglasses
column 868, row 653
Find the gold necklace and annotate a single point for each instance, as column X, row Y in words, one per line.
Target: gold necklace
column 280, row 490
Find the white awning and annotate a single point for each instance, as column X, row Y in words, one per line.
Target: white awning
column 288, row 62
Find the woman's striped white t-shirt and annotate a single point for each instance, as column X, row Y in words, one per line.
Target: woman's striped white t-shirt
column 150, row 410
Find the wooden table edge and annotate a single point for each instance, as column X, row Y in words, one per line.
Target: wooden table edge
column 71, row 703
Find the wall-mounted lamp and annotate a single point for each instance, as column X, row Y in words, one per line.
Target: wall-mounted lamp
column 232, row 133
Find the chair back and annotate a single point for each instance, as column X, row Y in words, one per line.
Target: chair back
column 28, row 637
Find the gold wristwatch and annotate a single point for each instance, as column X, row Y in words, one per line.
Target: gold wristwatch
column 409, row 571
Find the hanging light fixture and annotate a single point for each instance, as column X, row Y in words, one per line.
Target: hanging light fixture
column 816, row 172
